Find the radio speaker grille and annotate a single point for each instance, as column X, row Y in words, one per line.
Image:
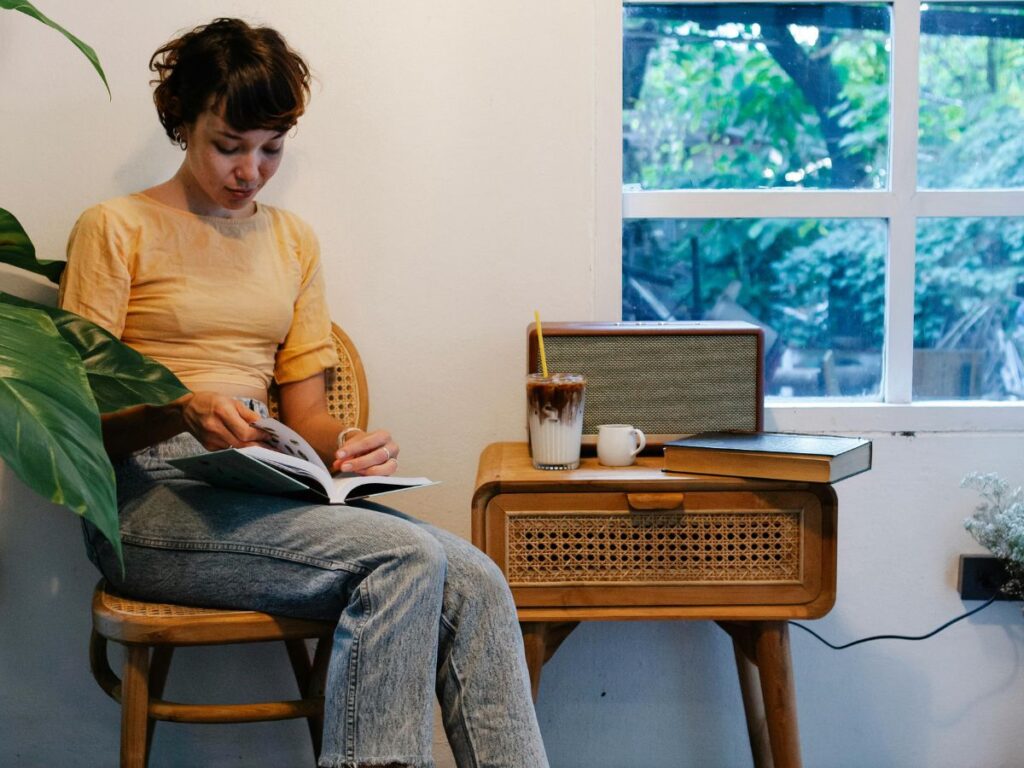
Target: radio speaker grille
column 664, row 383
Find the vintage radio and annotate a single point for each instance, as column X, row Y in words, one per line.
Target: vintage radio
column 668, row 379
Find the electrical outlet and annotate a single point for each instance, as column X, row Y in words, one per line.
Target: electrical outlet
column 980, row 577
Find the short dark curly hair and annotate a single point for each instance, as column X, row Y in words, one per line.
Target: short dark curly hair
column 249, row 72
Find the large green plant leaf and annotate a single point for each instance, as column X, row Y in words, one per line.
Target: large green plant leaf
column 16, row 249
column 118, row 375
column 30, row 10
column 51, row 435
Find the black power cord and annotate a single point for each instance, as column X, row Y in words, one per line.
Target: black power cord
column 935, row 631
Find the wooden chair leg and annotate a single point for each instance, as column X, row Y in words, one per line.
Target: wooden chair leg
column 159, row 666
column 316, row 687
column 100, row 665
column 778, row 691
column 134, row 706
column 750, row 689
column 299, row 658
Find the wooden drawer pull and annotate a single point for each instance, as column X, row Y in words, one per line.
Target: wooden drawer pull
column 654, row 501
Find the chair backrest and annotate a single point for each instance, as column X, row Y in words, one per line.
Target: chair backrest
column 347, row 397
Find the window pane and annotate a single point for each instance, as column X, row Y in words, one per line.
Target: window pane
column 972, row 96
column 969, row 309
column 737, row 95
column 816, row 286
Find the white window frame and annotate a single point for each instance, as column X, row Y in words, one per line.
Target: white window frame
column 900, row 206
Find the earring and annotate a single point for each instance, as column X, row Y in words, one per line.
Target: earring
column 182, row 142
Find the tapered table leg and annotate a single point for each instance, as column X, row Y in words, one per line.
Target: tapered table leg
column 535, row 645
column 778, row 691
column 541, row 639
column 750, row 688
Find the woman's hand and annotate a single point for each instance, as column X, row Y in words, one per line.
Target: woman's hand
column 367, row 453
column 218, row 421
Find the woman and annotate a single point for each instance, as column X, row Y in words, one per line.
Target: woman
column 228, row 293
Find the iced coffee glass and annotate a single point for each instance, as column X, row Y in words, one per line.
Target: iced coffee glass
column 554, row 415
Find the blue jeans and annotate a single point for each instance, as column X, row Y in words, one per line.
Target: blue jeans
column 418, row 609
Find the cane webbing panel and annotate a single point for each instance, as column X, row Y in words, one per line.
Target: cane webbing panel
column 664, row 384
column 692, row 547
column 128, row 608
column 343, row 390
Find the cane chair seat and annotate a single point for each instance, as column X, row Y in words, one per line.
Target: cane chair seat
column 150, row 631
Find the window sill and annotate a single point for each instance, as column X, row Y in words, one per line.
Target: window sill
column 795, row 415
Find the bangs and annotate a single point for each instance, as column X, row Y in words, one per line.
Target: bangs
column 253, row 101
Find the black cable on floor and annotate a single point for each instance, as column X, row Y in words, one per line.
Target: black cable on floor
column 935, row 631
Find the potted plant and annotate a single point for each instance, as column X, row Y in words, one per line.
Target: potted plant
column 998, row 525
column 59, row 372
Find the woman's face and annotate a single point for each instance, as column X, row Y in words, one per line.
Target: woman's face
column 224, row 168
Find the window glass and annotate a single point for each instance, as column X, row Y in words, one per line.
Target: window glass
column 745, row 95
column 817, row 287
column 972, row 96
column 969, row 309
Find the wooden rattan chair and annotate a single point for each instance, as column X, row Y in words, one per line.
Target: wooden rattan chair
column 151, row 631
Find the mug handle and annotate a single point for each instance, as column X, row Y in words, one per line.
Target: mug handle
column 641, row 439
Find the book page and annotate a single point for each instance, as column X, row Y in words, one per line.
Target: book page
column 286, row 440
column 348, row 487
column 291, row 464
column 337, row 488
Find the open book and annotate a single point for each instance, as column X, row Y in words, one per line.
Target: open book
column 294, row 468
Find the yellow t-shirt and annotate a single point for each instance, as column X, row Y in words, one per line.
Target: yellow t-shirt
column 233, row 301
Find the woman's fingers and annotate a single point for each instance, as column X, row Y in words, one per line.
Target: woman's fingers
column 218, row 421
column 370, row 453
column 389, row 467
column 240, row 425
column 377, row 457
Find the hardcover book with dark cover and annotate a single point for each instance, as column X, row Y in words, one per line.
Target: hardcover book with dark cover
column 770, row 455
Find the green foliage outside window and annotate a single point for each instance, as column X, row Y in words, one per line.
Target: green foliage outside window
column 747, row 96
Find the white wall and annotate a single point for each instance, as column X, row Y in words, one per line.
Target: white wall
column 447, row 163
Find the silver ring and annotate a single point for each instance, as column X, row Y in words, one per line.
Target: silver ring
column 386, row 453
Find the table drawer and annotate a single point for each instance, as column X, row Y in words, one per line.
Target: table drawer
column 663, row 549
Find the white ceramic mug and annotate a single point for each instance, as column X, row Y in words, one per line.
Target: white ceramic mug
column 618, row 444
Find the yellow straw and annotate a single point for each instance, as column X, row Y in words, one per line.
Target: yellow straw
column 540, row 344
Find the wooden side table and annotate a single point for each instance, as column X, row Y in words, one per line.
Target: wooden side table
column 637, row 543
